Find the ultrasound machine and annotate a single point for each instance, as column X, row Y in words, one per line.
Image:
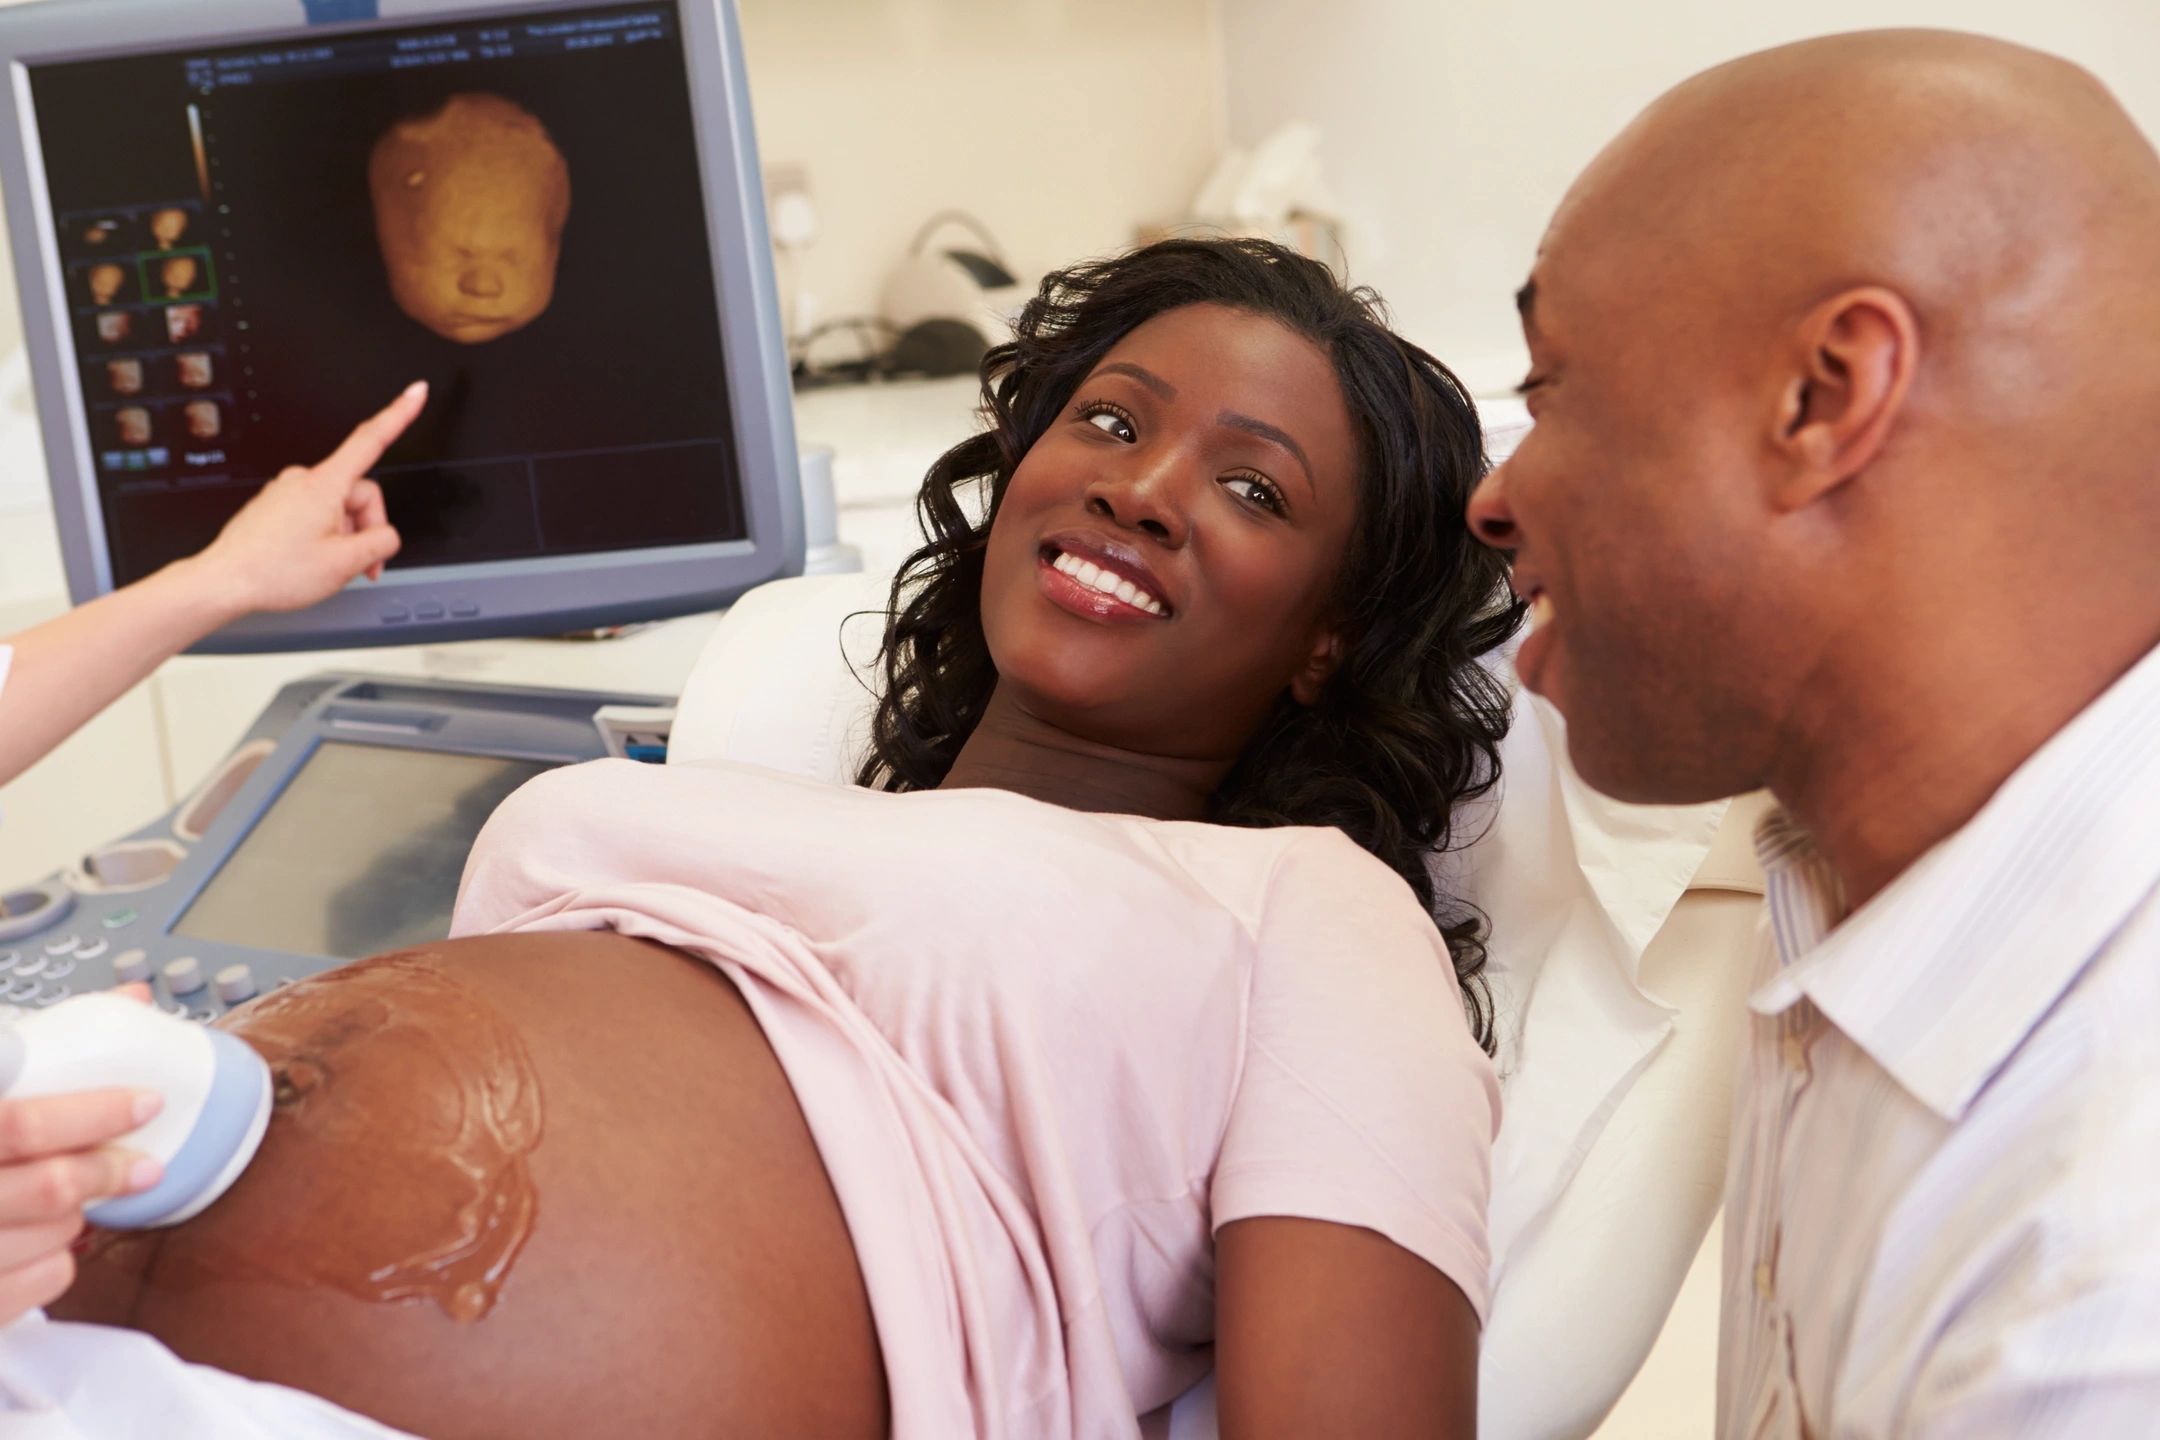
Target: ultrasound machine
column 241, row 225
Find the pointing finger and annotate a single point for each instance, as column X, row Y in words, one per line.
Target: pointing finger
column 375, row 434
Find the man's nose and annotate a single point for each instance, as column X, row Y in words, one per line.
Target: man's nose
column 1143, row 494
column 1490, row 519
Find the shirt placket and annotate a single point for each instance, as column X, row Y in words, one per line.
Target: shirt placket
column 1778, row 1411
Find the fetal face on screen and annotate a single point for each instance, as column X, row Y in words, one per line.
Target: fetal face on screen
column 167, row 227
column 202, row 420
column 125, row 376
column 192, row 368
column 183, row 322
column 180, row 274
column 105, row 282
column 114, row 326
column 133, row 424
column 469, row 209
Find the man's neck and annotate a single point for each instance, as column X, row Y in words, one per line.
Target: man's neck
column 1015, row 750
column 1893, row 758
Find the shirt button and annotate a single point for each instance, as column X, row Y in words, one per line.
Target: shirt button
column 1762, row 1279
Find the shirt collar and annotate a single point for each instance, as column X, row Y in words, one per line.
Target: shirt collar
column 1944, row 973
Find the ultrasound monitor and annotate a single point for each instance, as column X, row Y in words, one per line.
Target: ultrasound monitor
column 242, row 226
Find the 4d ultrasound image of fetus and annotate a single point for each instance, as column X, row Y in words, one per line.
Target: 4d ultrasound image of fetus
column 105, row 282
column 168, row 226
column 470, row 203
column 180, row 275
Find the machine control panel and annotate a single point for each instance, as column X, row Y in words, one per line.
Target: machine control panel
column 337, row 828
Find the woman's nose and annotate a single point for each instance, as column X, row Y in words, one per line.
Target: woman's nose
column 1490, row 518
column 1143, row 498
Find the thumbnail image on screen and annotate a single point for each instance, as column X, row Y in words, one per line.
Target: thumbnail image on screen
column 262, row 244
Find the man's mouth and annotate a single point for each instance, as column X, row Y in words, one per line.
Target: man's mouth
column 1112, row 577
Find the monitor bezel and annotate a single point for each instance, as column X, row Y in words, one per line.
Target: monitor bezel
column 444, row 602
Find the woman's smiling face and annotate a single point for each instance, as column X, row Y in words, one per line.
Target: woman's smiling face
column 1163, row 560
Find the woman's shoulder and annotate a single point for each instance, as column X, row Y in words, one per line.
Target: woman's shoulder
column 1282, row 879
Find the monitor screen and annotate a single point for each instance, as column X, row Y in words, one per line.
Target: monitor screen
column 361, row 852
column 264, row 243
column 550, row 214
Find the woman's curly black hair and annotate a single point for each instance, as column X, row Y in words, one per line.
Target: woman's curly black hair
column 1409, row 725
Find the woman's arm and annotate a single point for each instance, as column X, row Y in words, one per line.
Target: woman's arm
column 298, row 541
column 1325, row 1329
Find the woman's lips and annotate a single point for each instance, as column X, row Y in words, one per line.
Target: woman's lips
column 1070, row 592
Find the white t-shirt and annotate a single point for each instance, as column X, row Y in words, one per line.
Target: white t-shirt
column 1044, row 1054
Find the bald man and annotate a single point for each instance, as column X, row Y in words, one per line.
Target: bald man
column 1845, row 481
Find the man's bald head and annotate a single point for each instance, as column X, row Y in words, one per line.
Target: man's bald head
column 1847, row 368
column 2003, row 193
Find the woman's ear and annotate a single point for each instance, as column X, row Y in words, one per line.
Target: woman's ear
column 1319, row 667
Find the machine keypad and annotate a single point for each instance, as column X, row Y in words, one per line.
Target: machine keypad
column 63, row 945
column 93, row 949
column 31, row 968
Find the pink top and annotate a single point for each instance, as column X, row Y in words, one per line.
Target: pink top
column 1044, row 1054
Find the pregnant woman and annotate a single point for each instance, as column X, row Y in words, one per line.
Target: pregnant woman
column 1104, row 1034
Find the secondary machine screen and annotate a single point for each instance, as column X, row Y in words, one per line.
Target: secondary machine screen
column 360, row 853
column 263, row 244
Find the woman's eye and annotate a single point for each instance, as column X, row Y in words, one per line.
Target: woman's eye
column 1257, row 491
column 1112, row 423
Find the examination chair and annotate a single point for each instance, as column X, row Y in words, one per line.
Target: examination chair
column 1621, row 945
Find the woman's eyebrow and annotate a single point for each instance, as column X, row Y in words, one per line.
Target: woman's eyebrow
column 1268, row 432
column 1140, row 373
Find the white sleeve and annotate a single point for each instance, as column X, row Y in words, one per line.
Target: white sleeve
column 61, row 1381
column 1363, row 1100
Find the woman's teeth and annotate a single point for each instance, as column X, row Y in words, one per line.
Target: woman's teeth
column 1540, row 609
column 1096, row 578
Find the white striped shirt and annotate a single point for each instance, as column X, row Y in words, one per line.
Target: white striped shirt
column 1942, row 1214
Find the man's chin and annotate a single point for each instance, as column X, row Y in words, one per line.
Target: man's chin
column 1626, row 774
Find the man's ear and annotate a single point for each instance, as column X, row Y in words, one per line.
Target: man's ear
column 1856, row 355
column 1319, row 667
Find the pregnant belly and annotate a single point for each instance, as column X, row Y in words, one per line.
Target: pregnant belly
column 530, row 1185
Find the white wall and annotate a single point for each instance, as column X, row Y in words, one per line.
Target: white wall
column 1451, row 128
column 1062, row 124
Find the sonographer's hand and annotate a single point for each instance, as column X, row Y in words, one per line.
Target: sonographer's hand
column 55, row 1159
column 311, row 530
